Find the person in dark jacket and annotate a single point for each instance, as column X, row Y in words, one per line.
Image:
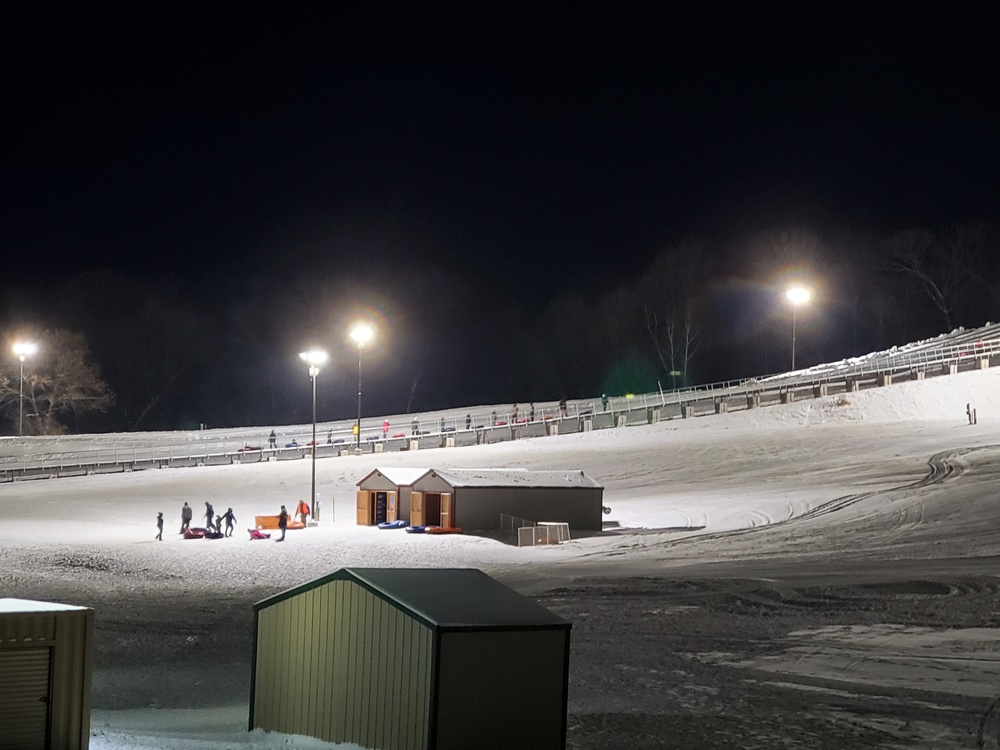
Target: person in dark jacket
column 282, row 523
column 209, row 516
column 230, row 519
column 186, row 515
column 159, row 526
column 468, row 421
column 272, row 441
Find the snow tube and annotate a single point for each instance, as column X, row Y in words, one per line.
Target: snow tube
column 416, row 529
column 441, row 530
column 195, row 533
column 392, row 525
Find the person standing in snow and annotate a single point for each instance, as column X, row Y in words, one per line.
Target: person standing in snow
column 159, row 526
column 282, row 523
column 230, row 522
column 531, row 414
column 385, row 429
column 209, row 516
column 468, row 421
column 493, row 417
column 186, row 515
column 272, row 441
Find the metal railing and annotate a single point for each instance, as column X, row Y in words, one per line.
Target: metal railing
column 22, row 458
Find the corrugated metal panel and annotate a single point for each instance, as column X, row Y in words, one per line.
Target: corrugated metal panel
column 24, row 698
column 28, row 626
column 72, row 667
column 66, row 637
column 339, row 663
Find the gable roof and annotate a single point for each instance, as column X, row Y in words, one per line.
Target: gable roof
column 443, row 598
column 399, row 476
column 27, row 605
column 515, row 478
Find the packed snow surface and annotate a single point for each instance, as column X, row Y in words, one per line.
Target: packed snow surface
column 889, row 492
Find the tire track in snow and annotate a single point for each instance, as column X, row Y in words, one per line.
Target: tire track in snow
column 942, row 466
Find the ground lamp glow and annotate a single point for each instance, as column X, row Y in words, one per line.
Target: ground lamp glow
column 22, row 349
column 361, row 334
column 796, row 296
column 314, row 358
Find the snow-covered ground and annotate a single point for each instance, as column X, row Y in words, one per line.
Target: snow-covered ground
column 819, row 574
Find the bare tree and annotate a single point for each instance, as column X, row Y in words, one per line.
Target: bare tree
column 945, row 266
column 60, row 382
column 668, row 291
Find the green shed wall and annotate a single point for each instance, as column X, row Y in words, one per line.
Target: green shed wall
column 339, row 663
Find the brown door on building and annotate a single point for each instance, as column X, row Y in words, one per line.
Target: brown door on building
column 432, row 508
column 392, row 510
column 447, row 511
column 416, row 509
column 365, row 515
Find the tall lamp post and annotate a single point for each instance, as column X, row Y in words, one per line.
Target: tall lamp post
column 361, row 334
column 796, row 296
column 22, row 349
column 314, row 358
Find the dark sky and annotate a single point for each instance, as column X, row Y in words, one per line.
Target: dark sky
column 545, row 145
column 542, row 150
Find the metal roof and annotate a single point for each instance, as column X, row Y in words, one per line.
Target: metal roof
column 445, row 598
column 26, row 605
column 515, row 478
column 401, row 477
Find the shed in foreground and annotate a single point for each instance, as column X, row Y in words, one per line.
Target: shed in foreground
column 411, row 659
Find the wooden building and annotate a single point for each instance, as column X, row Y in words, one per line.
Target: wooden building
column 384, row 495
column 46, row 664
column 475, row 499
column 411, row 659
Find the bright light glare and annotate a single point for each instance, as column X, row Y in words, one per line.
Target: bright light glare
column 362, row 333
column 25, row 349
column 798, row 295
column 314, row 357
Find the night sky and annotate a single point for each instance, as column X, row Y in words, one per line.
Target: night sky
column 308, row 166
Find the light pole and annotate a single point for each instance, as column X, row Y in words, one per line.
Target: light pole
column 314, row 358
column 796, row 296
column 22, row 349
column 361, row 333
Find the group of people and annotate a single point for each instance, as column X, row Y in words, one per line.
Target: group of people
column 213, row 522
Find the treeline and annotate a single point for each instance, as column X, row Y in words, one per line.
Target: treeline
column 176, row 353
